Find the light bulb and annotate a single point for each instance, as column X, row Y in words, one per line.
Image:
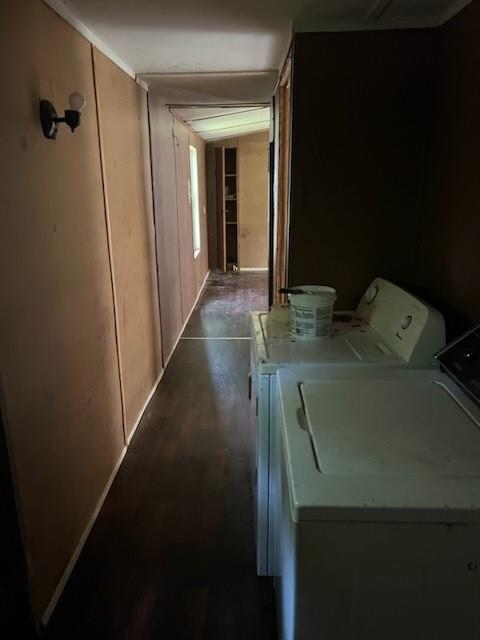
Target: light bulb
column 77, row 102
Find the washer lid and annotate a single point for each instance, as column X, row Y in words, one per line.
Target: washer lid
column 375, row 427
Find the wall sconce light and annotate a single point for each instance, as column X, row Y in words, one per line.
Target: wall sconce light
column 50, row 119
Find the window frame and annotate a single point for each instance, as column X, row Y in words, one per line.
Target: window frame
column 194, row 197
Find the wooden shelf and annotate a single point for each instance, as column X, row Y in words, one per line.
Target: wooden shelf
column 228, row 172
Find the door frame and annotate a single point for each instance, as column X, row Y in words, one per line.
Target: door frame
column 280, row 223
column 220, row 207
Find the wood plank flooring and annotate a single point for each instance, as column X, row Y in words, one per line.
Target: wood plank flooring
column 172, row 552
column 226, row 303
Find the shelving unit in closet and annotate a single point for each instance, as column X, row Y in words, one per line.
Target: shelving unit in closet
column 227, row 207
column 231, row 235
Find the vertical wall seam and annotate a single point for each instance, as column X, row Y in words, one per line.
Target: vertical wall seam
column 154, row 212
column 175, row 145
column 110, row 251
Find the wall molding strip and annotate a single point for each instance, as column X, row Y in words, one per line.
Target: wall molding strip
column 110, row 252
column 68, row 15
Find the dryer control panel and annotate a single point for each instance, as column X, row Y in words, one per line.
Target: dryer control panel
column 413, row 329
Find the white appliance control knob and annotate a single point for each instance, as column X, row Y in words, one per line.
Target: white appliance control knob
column 406, row 322
column 371, row 294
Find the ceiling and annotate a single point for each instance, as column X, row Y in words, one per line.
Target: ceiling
column 217, row 123
column 194, row 53
column 197, row 36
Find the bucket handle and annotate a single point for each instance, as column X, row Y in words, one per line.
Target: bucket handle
column 290, row 291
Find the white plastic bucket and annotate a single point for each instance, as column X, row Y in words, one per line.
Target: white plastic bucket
column 311, row 311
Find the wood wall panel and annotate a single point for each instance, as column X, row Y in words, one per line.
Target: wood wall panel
column 123, row 117
column 166, row 223
column 180, row 275
column 184, row 210
column 385, row 154
column 362, row 105
column 252, row 163
column 57, row 338
column 451, row 221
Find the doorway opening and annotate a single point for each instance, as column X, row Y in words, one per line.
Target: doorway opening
column 237, row 140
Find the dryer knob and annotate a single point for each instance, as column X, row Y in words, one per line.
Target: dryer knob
column 371, row 294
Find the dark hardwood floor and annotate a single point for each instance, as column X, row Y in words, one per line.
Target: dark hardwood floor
column 172, row 552
column 226, row 303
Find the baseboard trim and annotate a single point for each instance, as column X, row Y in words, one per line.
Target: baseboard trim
column 187, row 320
column 78, row 549
column 253, row 268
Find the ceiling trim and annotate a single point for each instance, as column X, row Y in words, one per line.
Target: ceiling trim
column 261, row 123
column 233, row 135
column 374, row 23
column 195, row 74
column 219, row 105
column 222, row 115
column 304, row 25
column 454, row 8
column 64, row 12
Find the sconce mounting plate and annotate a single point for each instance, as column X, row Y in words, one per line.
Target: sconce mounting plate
column 48, row 118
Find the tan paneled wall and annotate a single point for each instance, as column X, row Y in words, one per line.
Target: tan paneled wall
column 184, row 211
column 57, row 335
column 123, row 117
column 166, row 222
column 64, row 241
column 252, row 199
column 180, row 275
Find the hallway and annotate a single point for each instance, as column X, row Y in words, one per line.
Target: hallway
column 172, row 552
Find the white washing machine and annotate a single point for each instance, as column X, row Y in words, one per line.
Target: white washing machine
column 378, row 501
column 390, row 327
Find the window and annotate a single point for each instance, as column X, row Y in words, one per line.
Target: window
column 194, row 201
